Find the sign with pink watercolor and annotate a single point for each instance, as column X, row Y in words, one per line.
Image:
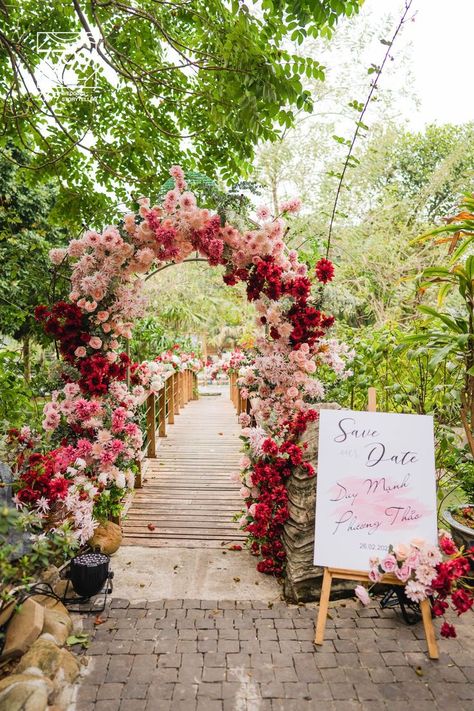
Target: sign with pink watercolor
column 376, row 485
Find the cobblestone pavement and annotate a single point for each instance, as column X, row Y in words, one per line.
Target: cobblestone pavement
column 205, row 655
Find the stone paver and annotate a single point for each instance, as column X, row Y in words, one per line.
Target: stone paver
column 205, row 655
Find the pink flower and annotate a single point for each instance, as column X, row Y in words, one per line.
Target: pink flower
column 425, row 574
column 362, row 594
column 187, row 201
column 293, row 205
column 80, row 352
column 102, row 315
column 415, row 591
column 374, row 575
column 403, row 573
column 244, row 492
column 402, row 552
column 263, row 213
column 389, row 563
column 95, row 342
column 56, row 256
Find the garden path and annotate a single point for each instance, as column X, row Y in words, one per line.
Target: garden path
column 188, row 499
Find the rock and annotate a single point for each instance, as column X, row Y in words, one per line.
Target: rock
column 57, row 624
column 24, row 692
column 24, row 628
column 303, row 579
column 53, row 662
column 107, row 537
column 6, row 612
column 50, row 603
column 50, row 575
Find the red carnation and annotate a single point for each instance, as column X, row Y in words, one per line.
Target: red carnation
column 447, row 630
column 324, row 271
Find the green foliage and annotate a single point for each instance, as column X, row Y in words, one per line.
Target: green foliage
column 109, row 503
column 18, row 404
column 27, row 233
column 406, row 379
column 25, row 550
column 131, row 80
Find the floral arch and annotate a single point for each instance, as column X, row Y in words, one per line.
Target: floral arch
column 91, row 437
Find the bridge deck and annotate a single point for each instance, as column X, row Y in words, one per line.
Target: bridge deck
column 187, row 494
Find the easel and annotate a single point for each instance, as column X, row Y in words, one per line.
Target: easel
column 343, row 574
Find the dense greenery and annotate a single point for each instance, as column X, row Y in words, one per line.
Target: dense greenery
column 115, row 92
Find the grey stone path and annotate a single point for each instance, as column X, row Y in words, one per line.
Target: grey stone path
column 209, row 655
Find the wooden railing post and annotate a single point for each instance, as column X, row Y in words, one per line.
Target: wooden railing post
column 171, row 400
column 162, row 411
column 182, row 401
column 150, row 425
column 195, row 387
column 176, row 393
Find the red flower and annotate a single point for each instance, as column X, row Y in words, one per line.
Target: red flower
column 447, row 630
column 439, row 607
column 447, row 545
column 462, row 601
column 324, row 271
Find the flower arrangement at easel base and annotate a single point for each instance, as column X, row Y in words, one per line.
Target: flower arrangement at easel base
column 438, row 573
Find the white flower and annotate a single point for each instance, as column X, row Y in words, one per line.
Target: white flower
column 42, row 505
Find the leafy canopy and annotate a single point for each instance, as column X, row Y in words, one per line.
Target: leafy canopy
column 121, row 90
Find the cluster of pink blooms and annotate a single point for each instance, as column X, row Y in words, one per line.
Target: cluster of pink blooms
column 281, row 381
column 105, row 439
column 438, row 573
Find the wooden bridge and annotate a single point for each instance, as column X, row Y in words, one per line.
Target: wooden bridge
column 185, row 497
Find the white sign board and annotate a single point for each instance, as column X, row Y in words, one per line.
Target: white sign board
column 375, row 485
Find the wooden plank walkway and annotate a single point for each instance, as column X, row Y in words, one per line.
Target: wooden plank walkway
column 187, row 493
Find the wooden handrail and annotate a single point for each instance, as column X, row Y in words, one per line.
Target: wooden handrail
column 161, row 408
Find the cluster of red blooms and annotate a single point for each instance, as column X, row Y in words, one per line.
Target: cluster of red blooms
column 270, row 473
column 66, row 323
column 41, row 475
column 446, row 585
column 265, row 277
column 97, row 372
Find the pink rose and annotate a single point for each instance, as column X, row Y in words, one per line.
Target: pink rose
column 95, row 342
column 362, row 594
column 402, row 552
column 244, row 492
column 80, row 352
column 102, row 315
column 374, row 575
column 389, row 563
column 404, row 572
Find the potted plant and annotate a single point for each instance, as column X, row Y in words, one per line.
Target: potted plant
column 461, row 517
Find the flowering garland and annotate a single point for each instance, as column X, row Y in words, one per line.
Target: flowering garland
column 428, row 571
column 102, row 441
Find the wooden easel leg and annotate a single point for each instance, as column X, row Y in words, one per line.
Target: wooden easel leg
column 425, row 608
column 323, row 607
